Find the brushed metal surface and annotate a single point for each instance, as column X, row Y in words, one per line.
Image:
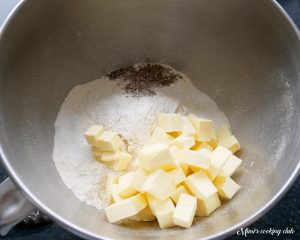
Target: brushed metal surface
column 244, row 54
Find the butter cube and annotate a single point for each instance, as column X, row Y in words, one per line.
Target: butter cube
column 109, row 157
column 186, row 169
column 93, row 133
column 204, row 128
column 97, row 157
column 187, row 127
column 230, row 166
column 159, row 184
column 145, row 215
column 125, row 208
column 96, row 150
column 227, row 188
column 109, row 141
column 218, row 158
column 124, row 187
column 159, row 136
column 138, row 179
column 231, row 143
column 206, row 206
column 213, row 142
column 179, row 190
column 185, row 211
column 223, row 132
column 109, row 181
column 183, row 142
column 198, row 159
column 201, row 187
column 156, row 156
column 177, row 175
column 199, row 145
column 115, row 193
column 164, row 211
column 151, row 202
column 170, row 122
column 123, row 162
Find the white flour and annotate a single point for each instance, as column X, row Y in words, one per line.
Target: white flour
column 103, row 102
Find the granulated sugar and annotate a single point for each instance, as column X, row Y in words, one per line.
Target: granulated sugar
column 130, row 113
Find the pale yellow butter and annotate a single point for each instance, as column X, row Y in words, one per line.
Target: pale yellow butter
column 125, row 208
column 179, row 190
column 219, row 157
column 183, row 142
column 144, row 216
column 156, row 156
column 159, row 136
column 97, row 157
column 198, row 159
column 159, row 184
column 114, row 191
column 138, row 179
column 96, row 150
column 187, row 127
column 109, row 141
column 199, row 145
column 109, row 181
column 231, row 143
column 206, row 206
column 164, row 211
column 231, row 165
column 177, row 175
column 122, row 163
column 109, row 157
column 93, row 133
column 204, row 128
column 227, row 188
column 223, row 132
column 201, row 187
column 185, row 210
column 170, row 122
column 124, row 187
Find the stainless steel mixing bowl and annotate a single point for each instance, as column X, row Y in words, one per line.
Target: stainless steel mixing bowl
column 244, row 54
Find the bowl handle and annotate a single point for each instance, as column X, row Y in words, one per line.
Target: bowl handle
column 14, row 207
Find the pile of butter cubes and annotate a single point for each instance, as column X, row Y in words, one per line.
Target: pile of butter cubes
column 108, row 147
column 184, row 169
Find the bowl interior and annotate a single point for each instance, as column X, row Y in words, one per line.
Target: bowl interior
column 243, row 54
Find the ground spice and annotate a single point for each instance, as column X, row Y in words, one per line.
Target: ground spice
column 143, row 79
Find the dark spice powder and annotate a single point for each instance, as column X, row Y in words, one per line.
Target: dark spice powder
column 143, row 80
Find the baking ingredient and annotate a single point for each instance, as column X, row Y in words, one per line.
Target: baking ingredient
column 207, row 194
column 125, row 208
column 176, row 194
column 124, row 187
column 164, row 211
column 177, row 175
column 93, row 133
column 222, row 132
column 170, row 122
column 183, row 142
column 196, row 159
column 159, row 136
column 109, row 141
column 218, row 158
column 185, row 210
column 159, row 184
column 156, row 156
column 132, row 115
column 231, row 166
column 204, row 128
column 231, row 143
column 227, row 188
column 142, row 79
